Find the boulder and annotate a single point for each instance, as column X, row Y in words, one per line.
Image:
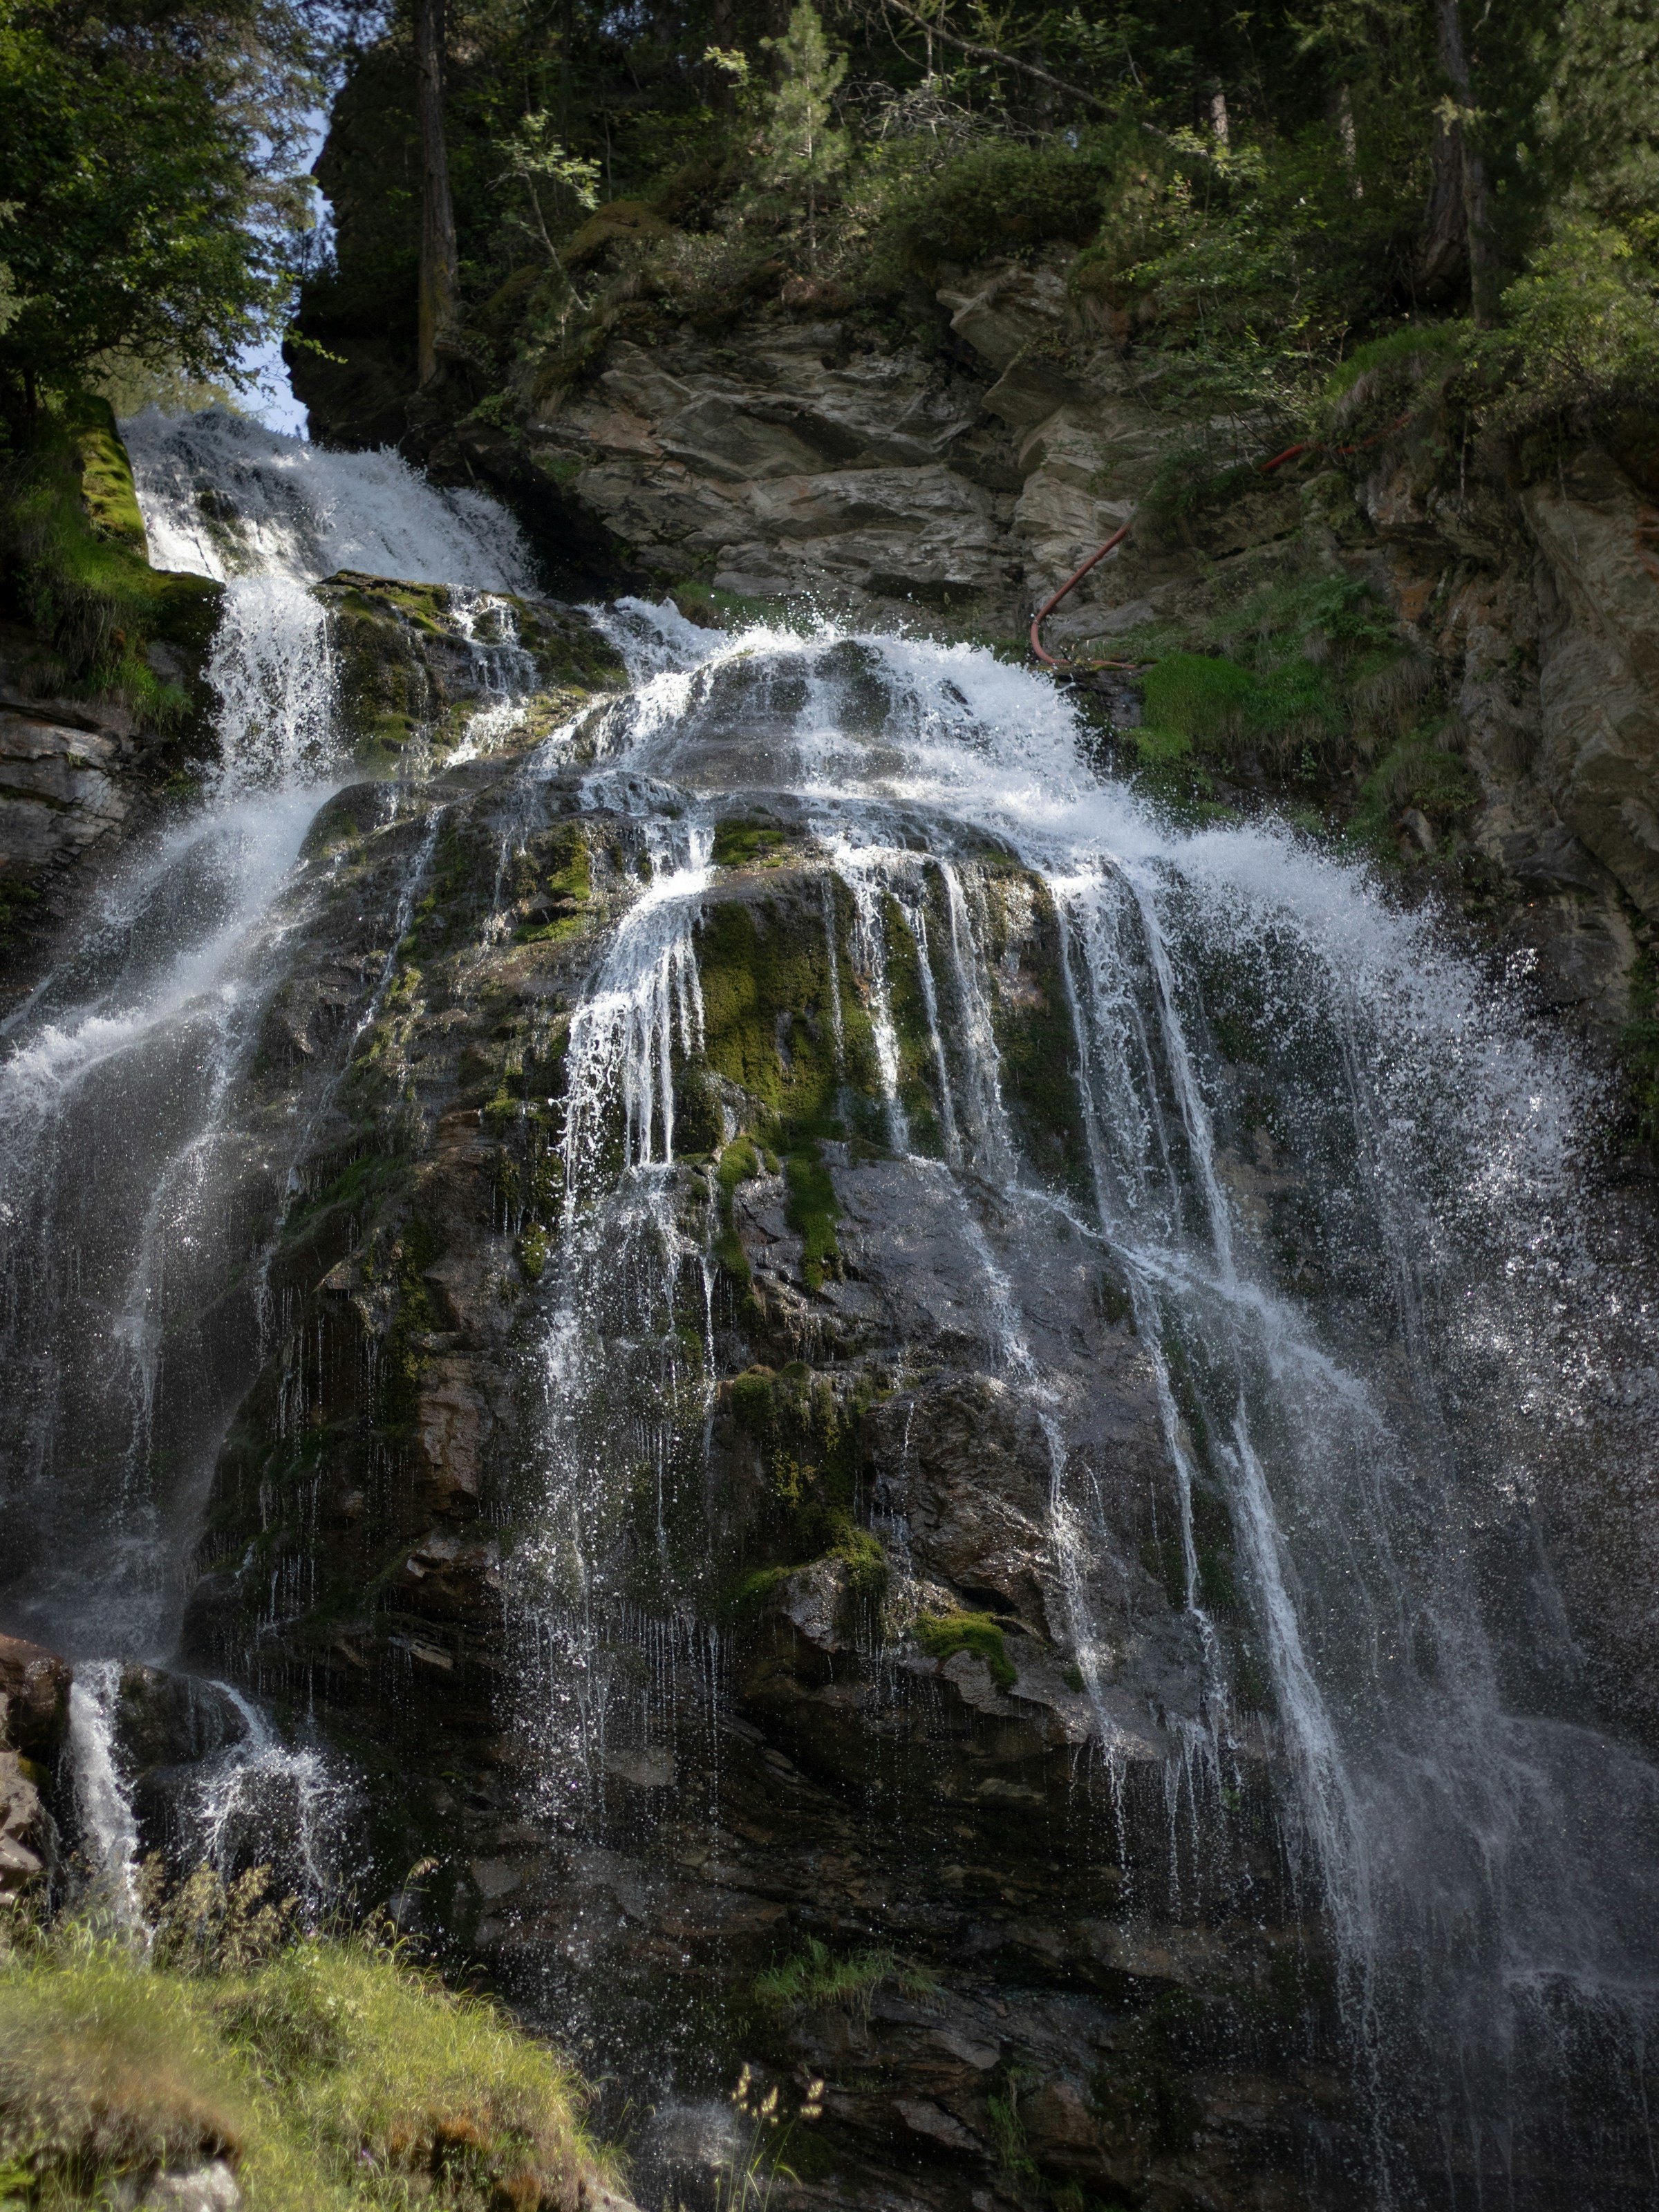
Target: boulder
column 34, row 1691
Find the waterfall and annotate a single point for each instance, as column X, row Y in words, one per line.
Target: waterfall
column 140, row 1192
column 1486, row 1867
column 1295, row 1146
column 103, row 1805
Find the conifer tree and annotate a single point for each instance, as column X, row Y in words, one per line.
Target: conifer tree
column 802, row 151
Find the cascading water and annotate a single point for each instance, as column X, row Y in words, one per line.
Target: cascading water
column 137, row 1188
column 1370, row 1414
column 1288, row 1139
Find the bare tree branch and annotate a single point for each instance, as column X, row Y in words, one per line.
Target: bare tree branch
column 992, row 54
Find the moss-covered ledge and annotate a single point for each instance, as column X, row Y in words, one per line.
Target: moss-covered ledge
column 418, row 662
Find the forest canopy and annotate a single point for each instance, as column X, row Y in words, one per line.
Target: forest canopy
column 1256, row 192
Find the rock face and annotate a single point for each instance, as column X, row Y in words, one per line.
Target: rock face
column 768, row 1598
column 874, row 1823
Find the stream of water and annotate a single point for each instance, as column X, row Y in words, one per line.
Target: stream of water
column 1375, row 1414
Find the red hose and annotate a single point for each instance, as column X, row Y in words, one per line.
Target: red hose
column 1045, row 611
column 1266, row 468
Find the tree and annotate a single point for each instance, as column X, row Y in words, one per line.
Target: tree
column 150, row 150
column 802, row 151
column 1460, row 153
column 440, row 280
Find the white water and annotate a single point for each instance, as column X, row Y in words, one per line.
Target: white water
column 267, row 515
column 109, row 1833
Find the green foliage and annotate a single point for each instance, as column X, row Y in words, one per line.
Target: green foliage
column 147, row 159
column 1417, row 772
column 331, row 2072
column 997, row 197
column 1253, row 268
column 1392, row 366
column 1314, row 664
column 816, row 1981
column 801, row 151
column 1585, row 320
column 942, row 1634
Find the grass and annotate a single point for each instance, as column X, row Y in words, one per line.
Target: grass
column 815, row 1980
column 330, row 2071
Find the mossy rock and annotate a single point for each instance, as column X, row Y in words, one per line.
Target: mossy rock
column 941, row 1635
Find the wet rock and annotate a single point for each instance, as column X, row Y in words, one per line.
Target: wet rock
column 35, row 1686
column 27, row 1834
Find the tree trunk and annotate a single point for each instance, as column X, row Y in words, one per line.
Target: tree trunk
column 439, row 263
column 1443, row 243
column 1475, row 198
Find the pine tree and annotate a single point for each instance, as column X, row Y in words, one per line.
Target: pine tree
column 802, row 152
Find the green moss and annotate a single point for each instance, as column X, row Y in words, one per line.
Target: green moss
column 740, row 843
column 739, row 1162
column 941, row 1635
column 812, row 1210
column 566, row 892
column 918, row 1064
column 1035, row 1039
column 768, row 1024
column 807, row 1433
column 403, row 1357
column 73, row 568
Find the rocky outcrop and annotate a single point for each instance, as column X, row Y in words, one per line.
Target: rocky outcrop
column 85, row 614
column 34, row 1688
column 826, row 460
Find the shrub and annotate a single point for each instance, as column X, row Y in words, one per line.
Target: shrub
column 995, row 197
column 1584, row 320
